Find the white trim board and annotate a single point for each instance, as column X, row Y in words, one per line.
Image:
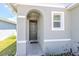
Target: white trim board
column 21, row 16
column 56, row 40
column 21, row 41
column 49, row 40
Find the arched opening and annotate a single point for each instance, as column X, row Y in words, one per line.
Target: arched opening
column 34, row 32
column 33, row 17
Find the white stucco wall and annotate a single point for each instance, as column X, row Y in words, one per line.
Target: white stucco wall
column 21, row 36
column 23, row 11
column 75, row 27
column 40, row 31
column 45, row 30
column 57, row 43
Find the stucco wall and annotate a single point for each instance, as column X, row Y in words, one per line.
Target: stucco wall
column 21, row 36
column 23, row 11
column 46, row 32
column 54, row 40
column 57, row 47
column 6, row 26
column 46, row 12
column 75, row 27
column 49, row 33
column 40, row 34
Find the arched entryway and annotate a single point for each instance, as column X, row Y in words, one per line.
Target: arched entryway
column 33, row 17
column 35, row 39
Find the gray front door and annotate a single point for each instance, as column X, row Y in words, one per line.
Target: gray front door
column 32, row 31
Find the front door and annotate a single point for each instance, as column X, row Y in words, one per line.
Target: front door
column 32, row 31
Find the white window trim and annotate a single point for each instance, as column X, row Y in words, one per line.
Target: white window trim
column 62, row 20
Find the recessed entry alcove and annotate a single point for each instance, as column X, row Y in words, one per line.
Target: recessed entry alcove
column 34, row 17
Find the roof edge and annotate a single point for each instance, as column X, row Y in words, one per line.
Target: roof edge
column 8, row 20
column 11, row 8
column 72, row 6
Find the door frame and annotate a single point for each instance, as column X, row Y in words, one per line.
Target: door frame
column 36, row 30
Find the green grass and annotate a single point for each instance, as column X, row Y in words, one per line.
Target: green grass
column 8, row 46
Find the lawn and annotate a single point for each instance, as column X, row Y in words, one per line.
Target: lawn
column 8, row 46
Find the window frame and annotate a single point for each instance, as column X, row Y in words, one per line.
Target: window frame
column 61, row 20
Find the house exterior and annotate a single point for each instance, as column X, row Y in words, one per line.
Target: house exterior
column 42, row 29
column 6, row 24
column 7, row 28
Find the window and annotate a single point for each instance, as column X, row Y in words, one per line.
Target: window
column 57, row 20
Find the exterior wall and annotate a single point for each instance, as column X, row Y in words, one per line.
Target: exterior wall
column 46, row 11
column 40, row 31
column 23, row 29
column 57, row 47
column 46, row 34
column 75, row 27
column 62, row 38
column 49, row 33
column 21, row 37
column 5, row 26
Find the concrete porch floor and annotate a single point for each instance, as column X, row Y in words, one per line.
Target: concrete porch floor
column 34, row 49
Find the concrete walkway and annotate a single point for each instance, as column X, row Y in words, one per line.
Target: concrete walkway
column 34, row 50
column 6, row 33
